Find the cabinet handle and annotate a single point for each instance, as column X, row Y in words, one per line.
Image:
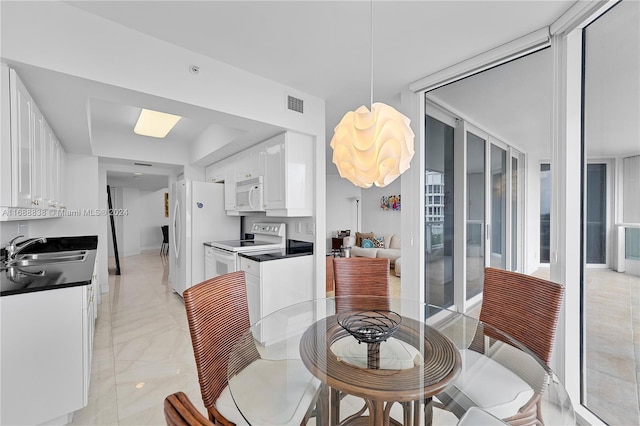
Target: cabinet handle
column 35, row 202
column 91, row 299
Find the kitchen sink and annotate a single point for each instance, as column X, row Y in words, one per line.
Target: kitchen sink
column 33, row 259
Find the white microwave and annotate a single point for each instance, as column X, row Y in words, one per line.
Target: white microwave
column 249, row 195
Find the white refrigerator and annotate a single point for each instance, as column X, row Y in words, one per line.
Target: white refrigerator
column 197, row 216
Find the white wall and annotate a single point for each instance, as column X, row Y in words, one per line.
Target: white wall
column 131, row 222
column 374, row 218
column 341, row 206
column 342, row 211
column 152, row 218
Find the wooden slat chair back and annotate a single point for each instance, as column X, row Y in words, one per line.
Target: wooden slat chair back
column 524, row 307
column 359, row 278
column 180, row 411
column 218, row 314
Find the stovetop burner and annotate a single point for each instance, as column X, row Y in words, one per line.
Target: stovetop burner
column 267, row 236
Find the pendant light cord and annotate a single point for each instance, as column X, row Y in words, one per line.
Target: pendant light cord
column 371, row 39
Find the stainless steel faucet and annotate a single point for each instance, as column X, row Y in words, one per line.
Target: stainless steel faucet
column 14, row 249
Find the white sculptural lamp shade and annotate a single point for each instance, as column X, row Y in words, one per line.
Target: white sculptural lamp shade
column 372, row 147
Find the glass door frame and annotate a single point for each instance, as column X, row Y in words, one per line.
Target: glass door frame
column 520, row 209
column 467, row 128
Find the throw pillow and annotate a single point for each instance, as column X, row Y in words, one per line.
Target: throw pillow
column 362, row 235
column 367, row 243
column 378, row 242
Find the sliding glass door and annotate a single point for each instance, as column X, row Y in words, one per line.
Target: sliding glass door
column 439, row 210
column 474, row 187
column 475, row 214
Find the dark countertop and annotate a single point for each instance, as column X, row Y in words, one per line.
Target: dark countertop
column 272, row 255
column 294, row 249
column 19, row 280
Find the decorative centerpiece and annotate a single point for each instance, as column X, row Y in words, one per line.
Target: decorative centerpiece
column 371, row 327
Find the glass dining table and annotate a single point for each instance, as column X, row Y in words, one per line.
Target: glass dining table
column 381, row 361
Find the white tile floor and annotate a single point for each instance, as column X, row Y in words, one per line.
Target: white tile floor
column 142, row 350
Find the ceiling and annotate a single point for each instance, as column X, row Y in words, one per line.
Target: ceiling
column 318, row 47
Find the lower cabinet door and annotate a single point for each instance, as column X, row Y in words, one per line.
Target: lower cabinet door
column 42, row 356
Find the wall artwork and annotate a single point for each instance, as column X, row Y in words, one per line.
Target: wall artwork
column 166, row 204
column 390, row 202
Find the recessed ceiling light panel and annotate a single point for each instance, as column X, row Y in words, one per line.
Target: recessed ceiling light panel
column 155, row 123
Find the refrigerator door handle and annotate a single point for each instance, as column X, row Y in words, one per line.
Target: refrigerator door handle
column 176, row 230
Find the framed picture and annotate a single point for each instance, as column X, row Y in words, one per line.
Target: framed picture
column 390, row 202
column 166, row 204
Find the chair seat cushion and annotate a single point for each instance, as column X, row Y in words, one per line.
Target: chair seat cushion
column 489, row 385
column 394, row 354
column 476, row 416
column 279, row 393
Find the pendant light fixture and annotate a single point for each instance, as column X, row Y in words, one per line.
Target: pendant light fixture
column 372, row 147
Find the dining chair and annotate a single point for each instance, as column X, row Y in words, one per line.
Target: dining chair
column 362, row 283
column 164, row 247
column 180, row 411
column 521, row 314
column 218, row 315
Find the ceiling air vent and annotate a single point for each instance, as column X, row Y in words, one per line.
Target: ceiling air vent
column 295, row 104
column 142, row 164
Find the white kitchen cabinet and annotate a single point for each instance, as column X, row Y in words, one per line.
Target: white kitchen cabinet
column 215, row 172
column 288, row 177
column 38, row 177
column 32, row 180
column 54, row 172
column 250, row 163
column 42, row 366
column 230, row 184
column 89, row 314
column 274, row 284
column 21, row 123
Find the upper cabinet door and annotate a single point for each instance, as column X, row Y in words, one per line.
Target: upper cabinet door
column 288, row 178
column 250, row 163
column 274, row 176
column 21, row 142
column 37, row 166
